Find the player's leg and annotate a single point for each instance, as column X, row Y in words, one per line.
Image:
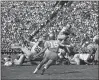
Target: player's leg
column 59, row 61
column 29, row 55
column 26, row 52
column 47, row 65
column 20, row 61
column 61, row 55
column 40, row 65
column 75, row 59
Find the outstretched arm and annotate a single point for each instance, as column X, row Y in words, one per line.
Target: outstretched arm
column 66, row 47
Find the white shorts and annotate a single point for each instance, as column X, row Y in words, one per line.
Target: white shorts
column 82, row 56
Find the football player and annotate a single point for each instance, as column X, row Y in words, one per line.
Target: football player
column 50, row 52
column 28, row 53
column 88, row 57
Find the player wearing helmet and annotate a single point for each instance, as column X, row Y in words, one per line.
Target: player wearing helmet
column 50, row 52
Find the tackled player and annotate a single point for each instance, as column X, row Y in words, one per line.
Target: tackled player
column 36, row 48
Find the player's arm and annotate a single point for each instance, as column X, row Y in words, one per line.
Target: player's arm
column 66, row 47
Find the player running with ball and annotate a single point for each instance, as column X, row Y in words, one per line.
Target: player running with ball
column 50, row 52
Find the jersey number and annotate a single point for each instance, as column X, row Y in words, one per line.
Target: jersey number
column 53, row 44
column 37, row 49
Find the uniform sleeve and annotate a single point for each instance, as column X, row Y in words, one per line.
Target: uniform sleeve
column 46, row 45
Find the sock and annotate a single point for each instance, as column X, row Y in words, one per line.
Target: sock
column 43, row 71
column 35, row 70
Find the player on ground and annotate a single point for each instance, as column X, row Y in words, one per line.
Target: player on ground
column 28, row 53
column 89, row 57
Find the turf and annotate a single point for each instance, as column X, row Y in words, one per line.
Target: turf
column 54, row 72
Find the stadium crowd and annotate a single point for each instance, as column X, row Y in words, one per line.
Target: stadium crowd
column 19, row 18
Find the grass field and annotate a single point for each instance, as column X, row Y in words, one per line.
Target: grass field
column 54, row 72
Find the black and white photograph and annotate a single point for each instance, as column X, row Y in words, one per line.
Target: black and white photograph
column 53, row 40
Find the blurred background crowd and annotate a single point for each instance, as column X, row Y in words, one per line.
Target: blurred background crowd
column 23, row 17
